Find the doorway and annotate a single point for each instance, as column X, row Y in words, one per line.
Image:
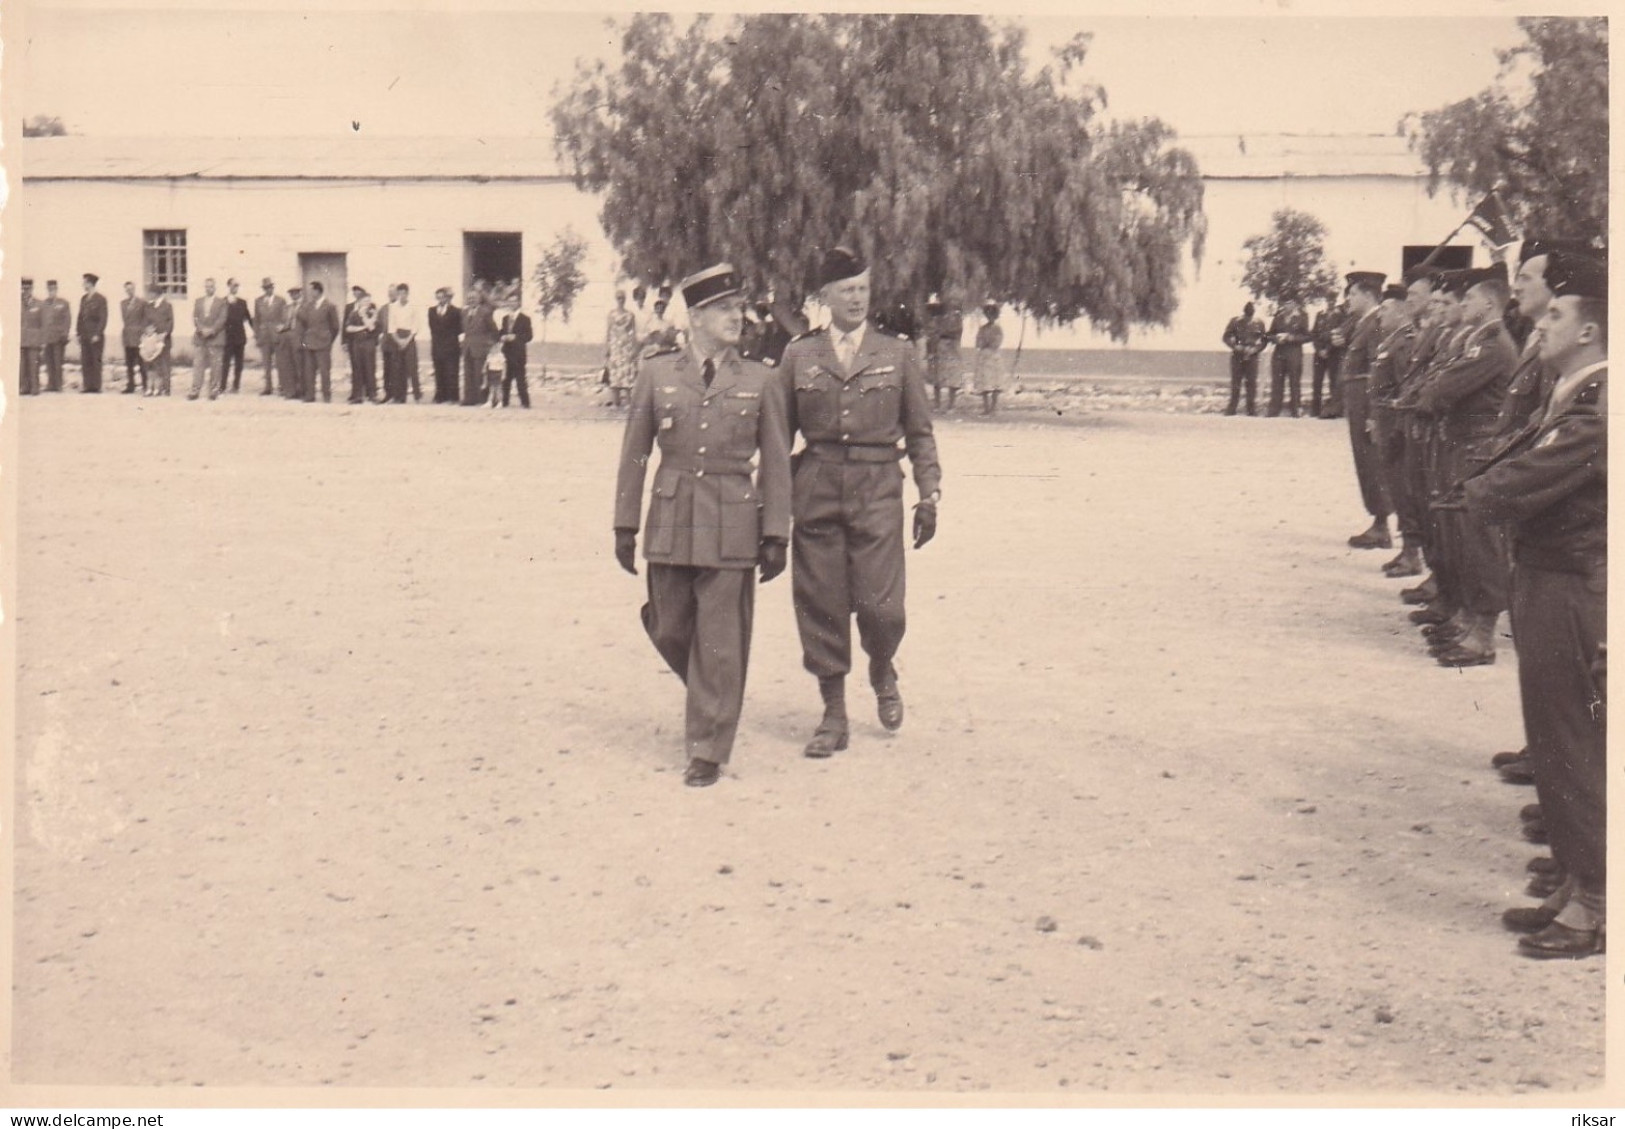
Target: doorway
column 331, row 269
column 497, row 257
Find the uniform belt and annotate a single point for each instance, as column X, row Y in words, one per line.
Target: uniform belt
column 704, row 464
column 855, row 452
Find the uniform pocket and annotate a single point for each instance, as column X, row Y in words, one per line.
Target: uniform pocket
column 743, row 413
column 660, row 531
column 741, row 514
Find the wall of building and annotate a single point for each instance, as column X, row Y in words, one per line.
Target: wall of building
column 413, row 232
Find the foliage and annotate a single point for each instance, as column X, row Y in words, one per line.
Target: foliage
column 559, row 278
column 924, row 141
column 41, row 125
column 1289, row 262
column 1539, row 134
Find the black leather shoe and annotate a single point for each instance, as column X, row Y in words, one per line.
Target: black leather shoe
column 1518, row 772
column 1544, row 864
column 1423, row 593
column 1501, row 760
column 700, row 773
column 1463, row 657
column 828, row 739
column 1374, row 538
column 1544, row 885
column 1535, row 831
column 1528, row 919
column 1429, row 615
column 1559, row 942
column 1529, row 812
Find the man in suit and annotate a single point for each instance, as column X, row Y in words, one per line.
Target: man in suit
column 516, row 335
column 287, row 346
column 133, row 311
column 361, row 342
column 709, row 525
column 208, row 335
column 445, row 332
column 318, row 326
column 33, row 341
column 58, row 327
column 161, row 323
column 855, row 393
column 238, row 319
column 91, row 329
column 1550, row 484
column 269, row 310
column 479, row 338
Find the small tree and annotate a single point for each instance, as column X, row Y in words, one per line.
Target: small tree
column 559, row 281
column 40, row 125
column 1289, row 262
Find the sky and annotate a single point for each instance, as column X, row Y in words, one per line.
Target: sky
column 423, row 68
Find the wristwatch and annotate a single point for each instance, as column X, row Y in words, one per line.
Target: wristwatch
column 933, row 498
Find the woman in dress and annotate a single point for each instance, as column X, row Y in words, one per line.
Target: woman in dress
column 621, row 350
column 989, row 365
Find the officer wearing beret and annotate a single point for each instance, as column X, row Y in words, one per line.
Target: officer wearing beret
column 709, row 523
column 1387, row 370
column 1550, row 483
column 1364, row 294
column 855, row 393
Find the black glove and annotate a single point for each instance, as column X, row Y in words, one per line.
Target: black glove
column 626, row 549
column 771, row 558
column 925, row 523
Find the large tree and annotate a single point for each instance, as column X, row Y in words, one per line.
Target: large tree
column 926, row 141
column 1288, row 263
column 1539, row 134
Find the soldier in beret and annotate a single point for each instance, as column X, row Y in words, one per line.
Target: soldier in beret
column 855, row 393
column 1364, row 295
column 709, row 523
column 1550, row 483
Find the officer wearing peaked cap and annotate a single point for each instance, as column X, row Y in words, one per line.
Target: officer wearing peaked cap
column 855, row 393
column 710, row 521
column 1550, row 484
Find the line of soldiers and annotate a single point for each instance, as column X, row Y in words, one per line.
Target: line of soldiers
column 1492, row 454
column 856, row 395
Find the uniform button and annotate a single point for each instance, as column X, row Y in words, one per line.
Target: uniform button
column 845, row 437
column 703, row 426
column 702, row 450
column 699, row 474
column 846, row 411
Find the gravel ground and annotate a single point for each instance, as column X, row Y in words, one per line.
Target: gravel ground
column 342, row 761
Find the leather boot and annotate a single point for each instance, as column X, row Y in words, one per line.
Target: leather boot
column 1408, row 563
column 1476, row 647
column 1376, row 537
column 831, row 735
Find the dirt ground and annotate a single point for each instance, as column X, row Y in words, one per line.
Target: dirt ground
column 342, row 760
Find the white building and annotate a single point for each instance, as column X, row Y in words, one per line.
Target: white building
column 442, row 211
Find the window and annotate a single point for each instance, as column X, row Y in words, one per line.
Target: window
column 164, row 255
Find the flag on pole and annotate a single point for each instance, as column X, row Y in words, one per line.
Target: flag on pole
column 1492, row 222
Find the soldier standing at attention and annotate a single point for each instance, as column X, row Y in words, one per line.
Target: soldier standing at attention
column 1366, row 334
column 91, row 329
column 1328, row 357
column 854, row 393
column 1551, row 485
column 709, row 525
column 58, row 325
column 1289, row 330
column 33, row 341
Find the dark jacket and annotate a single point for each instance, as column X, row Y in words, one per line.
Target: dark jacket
column 237, row 320
column 444, row 330
column 516, row 325
column 1467, row 391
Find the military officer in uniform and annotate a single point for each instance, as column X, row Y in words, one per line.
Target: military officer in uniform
column 58, row 325
column 1550, row 483
column 709, row 523
column 33, row 341
column 1289, row 331
column 1387, row 370
column 855, row 393
column 1364, row 336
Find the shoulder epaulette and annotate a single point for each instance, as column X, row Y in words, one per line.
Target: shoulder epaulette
column 809, row 333
column 895, row 334
column 666, row 351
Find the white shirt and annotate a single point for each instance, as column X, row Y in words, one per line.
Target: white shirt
column 847, row 344
column 405, row 317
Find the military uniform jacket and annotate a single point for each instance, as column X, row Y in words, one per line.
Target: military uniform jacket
column 33, row 335
column 706, row 509
column 1393, row 360
column 1245, row 336
column 1531, row 384
column 881, row 402
column 58, row 320
column 92, row 320
column 1289, row 332
column 1551, row 483
column 1468, row 390
column 1363, row 345
column 1325, row 322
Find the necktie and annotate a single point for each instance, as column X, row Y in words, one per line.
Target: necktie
column 708, row 371
column 843, row 350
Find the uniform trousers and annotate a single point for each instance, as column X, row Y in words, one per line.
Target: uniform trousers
column 1388, row 432
column 28, row 373
column 1243, row 371
column 1323, row 375
column 1443, row 552
column 848, row 560
column 90, row 363
column 133, row 363
column 1479, row 549
column 206, row 359
column 56, row 354
column 1558, row 619
column 1334, row 386
column 1286, row 375
column 1413, row 473
column 699, row 619
column 1356, row 403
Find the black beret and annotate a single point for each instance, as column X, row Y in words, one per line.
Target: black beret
column 1417, row 273
column 840, row 263
column 1577, row 276
column 1535, row 246
column 1478, row 275
column 1454, row 281
column 28, row 282
column 710, row 284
